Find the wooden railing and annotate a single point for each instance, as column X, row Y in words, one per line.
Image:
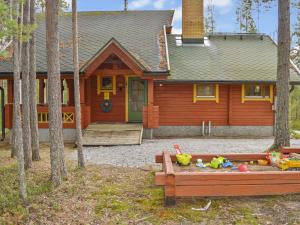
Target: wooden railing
column 67, row 117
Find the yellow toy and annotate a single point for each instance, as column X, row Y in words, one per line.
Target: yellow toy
column 286, row 164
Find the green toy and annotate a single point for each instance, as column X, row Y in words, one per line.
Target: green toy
column 184, row 159
column 216, row 162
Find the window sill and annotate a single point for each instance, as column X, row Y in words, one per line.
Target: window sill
column 214, row 99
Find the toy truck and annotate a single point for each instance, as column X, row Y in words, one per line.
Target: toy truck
column 290, row 164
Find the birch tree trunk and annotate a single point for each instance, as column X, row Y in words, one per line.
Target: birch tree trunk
column 282, row 136
column 77, row 85
column 54, row 93
column 25, row 92
column 32, row 82
column 18, row 139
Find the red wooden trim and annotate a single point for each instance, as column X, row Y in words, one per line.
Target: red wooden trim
column 113, row 72
column 170, row 192
column 208, row 157
column 70, row 83
column 82, row 91
column 41, row 91
column 10, row 91
column 112, row 48
column 236, row 190
column 288, row 150
column 230, row 99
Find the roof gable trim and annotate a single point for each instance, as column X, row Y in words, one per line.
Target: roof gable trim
column 113, row 47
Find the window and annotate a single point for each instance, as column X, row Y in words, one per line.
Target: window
column 257, row 92
column 106, row 84
column 206, row 92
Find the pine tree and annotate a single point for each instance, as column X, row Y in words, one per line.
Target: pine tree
column 32, row 83
column 77, row 84
column 17, row 124
column 282, row 136
column 25, row 92
column 58, row 167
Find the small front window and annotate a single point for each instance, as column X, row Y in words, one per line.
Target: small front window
column 206, row 90
column 106, row 83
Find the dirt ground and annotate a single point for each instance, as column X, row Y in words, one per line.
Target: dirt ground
column 103, row 194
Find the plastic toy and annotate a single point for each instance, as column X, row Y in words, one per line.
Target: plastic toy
column 200, row 163
column 262, row 162
column 289, row 164
column 243, row 168
column 273, row 157
column 227, row 164
column 184, row 159
column 216, row 162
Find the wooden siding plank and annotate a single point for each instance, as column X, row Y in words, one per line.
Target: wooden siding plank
column 236, row 190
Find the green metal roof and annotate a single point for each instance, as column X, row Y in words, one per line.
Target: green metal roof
column 225, row 58
column 137, row 31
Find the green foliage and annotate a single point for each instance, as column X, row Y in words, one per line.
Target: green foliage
column 10, row 27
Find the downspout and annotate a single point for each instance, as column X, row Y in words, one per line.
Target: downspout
column 3, row 112
column 167, row 48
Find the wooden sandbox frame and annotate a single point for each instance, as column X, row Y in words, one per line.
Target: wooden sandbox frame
column 215, row 184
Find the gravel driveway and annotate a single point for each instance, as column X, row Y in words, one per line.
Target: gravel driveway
column 142, row 155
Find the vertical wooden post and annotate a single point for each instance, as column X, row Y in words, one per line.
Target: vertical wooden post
column 150, row 92
column 82, row 91
column 70, row 84
column 230, row 89
column 170, row 191
column 41, row 91
column 10, row 91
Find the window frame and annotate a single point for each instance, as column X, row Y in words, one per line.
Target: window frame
column 215, row 98
column 99, row 85
column 258, row 98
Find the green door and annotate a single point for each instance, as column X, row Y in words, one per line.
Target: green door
column 137, row 98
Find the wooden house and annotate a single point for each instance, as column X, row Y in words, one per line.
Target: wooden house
column 133, row 70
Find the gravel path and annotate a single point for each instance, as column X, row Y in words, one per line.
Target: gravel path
column 142, row 155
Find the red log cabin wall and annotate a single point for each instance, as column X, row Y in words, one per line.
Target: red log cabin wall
column 117, row 113
column 176, row 107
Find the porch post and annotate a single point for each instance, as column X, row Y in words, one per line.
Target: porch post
column 150, row 92
column 10, row 91
column 41, row 91
column 70, row 83
column 82, row 91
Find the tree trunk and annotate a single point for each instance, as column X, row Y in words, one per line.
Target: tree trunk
column 18, row 139
column 32, row 81
column 26, row 93
column 282, row 136
column 54, row 93
column 77, row 85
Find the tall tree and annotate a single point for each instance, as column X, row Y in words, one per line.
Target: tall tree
column 32, row 83
column 244, row 16
column 210, row 22
column 77, row 84
column 58, row 169
column 18, row 139
column 26, row 92
column 125, row 5
column 282, row 136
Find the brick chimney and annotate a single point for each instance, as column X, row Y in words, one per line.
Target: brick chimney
column 193, row 21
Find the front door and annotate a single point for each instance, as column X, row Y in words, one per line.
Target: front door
column 137, row 98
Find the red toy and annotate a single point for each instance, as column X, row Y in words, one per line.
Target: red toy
column 243, row 168
column 177, row 149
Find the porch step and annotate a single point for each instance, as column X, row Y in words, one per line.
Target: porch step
column 113, row 134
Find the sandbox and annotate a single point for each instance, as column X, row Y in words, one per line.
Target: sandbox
column 192, row 182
